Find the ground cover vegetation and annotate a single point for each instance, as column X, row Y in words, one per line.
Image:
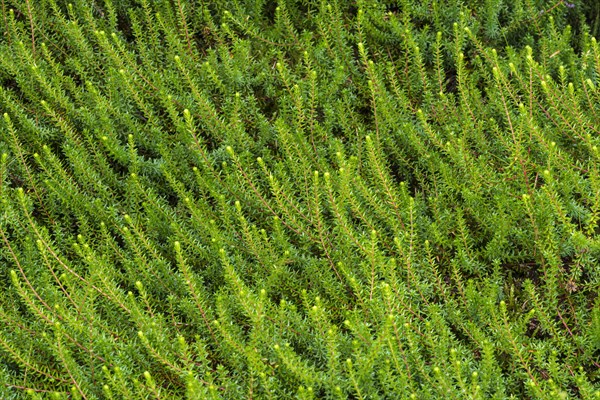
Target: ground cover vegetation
column 299, row 199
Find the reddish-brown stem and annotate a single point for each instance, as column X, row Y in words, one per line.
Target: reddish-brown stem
column 30, row 15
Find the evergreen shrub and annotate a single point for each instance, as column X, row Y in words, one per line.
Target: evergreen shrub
column 299, row 199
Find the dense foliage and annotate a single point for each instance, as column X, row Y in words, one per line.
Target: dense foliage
column 299, row 199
